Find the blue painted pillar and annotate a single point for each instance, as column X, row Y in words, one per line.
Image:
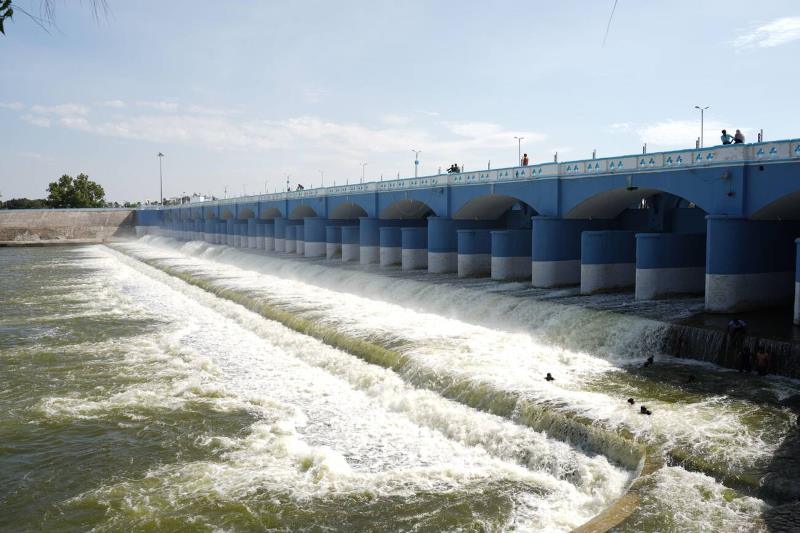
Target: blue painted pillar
column 414, row 244
column 269, row 235
column 260, row 229
column 390, row 246
column 369, row 236
column 333, row 242
column 222, row 232
column 511, row 254
column 299, row 239
column 241, row 234
column 442, row 245
column 608, row 260
column 474, row 253
column 749, row 264
column 351, row 244
column 670, row 264
column 198, row 230
column 315, row 236
column 209, row 229
column 290, row 240
column 230, row 233
column 556, row 250
column 797, row 283
column 280, row 234
column 252, row 233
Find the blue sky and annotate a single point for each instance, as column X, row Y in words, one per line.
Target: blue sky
column 239, row 95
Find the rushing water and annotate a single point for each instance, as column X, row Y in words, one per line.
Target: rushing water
column 135, row 400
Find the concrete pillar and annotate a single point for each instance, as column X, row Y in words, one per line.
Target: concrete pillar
column 414, row 244
column 222, row 231
column 199, row 226
column 251, row 234
column 269, row 236
column 209, row 229
column 608, row 260
column 511, row 254
column 390, row 246
column 280, row 234
column 442, row 246
column 290, row 242
column 299, row 239
column 669, row 264
column 259, row 227
column 230, row 232
column 314, row 235
column 241, row 234
column 369, row 240
column 474, row 253
column 556, row 250
column 333, row 242
column 351, row 244
column 797, row 283
column 749, row 264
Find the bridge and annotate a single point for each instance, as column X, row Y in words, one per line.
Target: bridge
column 719, row 221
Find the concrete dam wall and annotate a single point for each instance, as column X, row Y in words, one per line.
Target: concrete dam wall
column 45, row 226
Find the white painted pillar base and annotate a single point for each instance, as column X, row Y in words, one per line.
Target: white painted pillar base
column 369, row 255
column 474, row 265
column 316, row 249
column 442, row 262
column 607, row 277
column 300, row 247
column 511, row 268
column 551, row 274
column 141, row 231
column 390, row 255
column 252, row 242
column 730, row 293
column 279, row 244
column 414, row 259
column 654, row 283
column 351, row 253
column 333, row 250
column 259, row 243
column 290, row 246
column 269, row 244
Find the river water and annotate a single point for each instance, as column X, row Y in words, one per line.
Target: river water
column 142, row 390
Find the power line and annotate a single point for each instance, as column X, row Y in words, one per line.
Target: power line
column 608, row 27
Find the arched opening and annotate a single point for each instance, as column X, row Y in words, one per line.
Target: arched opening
column 246, row 213
column 209, row 214
column 407, row 210
column 346, row 211
column 302, row 211
column 227, row 214
column 508, row 209
column 784, row 208
column 271, row 213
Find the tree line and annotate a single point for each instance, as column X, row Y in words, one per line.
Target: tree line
column 67, row 192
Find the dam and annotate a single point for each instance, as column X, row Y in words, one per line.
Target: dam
column 372, row 356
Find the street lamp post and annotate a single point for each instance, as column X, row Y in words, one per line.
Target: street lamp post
column 363, row 166
column 321, row 178
column 416, row 161
column 519, row 150
column 702, row 113
column 160, row 180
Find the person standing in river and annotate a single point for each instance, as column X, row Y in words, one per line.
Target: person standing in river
column 762, row 360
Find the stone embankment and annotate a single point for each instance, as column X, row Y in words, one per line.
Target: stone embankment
column 25, row 227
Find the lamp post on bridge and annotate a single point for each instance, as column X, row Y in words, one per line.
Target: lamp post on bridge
column 321, row 178
column 363, row 167
column 519, row 150
column 702, row 113
column 416, row 161
column 160, row 180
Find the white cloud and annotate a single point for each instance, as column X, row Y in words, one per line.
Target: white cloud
column 159, row 106
column 779, row 31
column 42, row 122
column 684, row 133
column 14, row 106
column 395, row 120
column 118, row 104
column 62, row 110
column 621, row 127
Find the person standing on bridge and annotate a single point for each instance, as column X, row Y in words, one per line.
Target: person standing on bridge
column 738, row 137
column 524, row 160
column 726, row 139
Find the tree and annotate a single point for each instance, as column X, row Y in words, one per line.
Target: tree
column 78, row 192
column 23, row 203
column 47, row 12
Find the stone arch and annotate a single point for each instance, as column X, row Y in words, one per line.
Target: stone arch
column 787, row 207
column 347, row 210
column 610, row 204
column 302, row 211
column 209, row 213
column 270, row 213
column 407, row 209
column 246, row 213
column 227, row 213
column 492, row 207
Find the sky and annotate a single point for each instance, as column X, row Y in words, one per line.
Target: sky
column 240, row 95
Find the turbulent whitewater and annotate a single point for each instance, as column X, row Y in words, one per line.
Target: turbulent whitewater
column 143, row 394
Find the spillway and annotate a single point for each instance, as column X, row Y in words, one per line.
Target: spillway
column 223, row 418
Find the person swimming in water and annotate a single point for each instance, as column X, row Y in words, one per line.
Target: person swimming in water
column 649, row 361
column 548, row 377
column 631, row 401
column 645, row 411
